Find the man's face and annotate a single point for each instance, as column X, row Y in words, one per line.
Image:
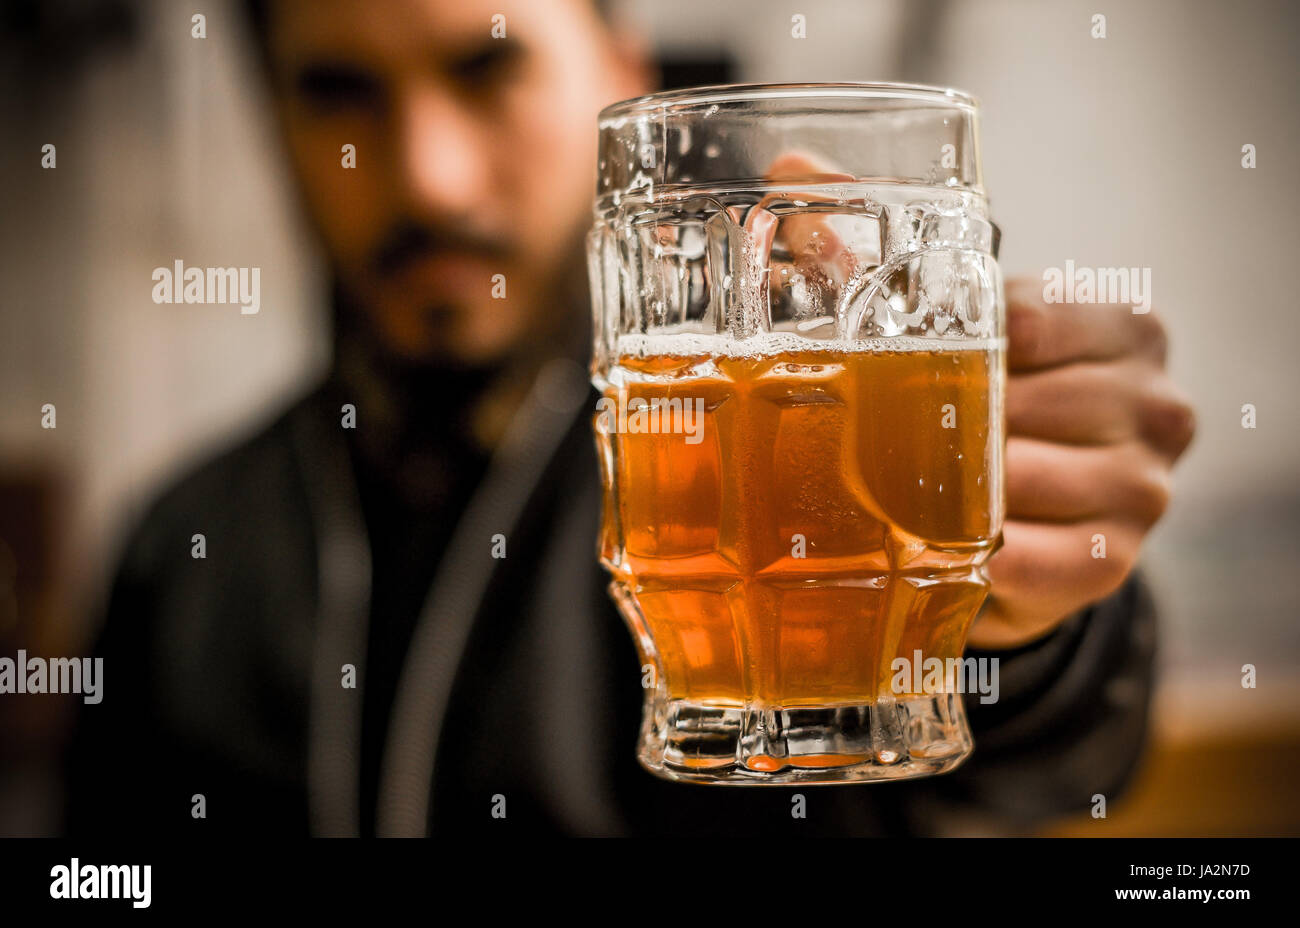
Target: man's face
column 475, row 156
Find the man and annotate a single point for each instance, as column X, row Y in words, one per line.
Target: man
column 350, row 658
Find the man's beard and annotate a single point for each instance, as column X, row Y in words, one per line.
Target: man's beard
column 418, row 407
column 557, row 320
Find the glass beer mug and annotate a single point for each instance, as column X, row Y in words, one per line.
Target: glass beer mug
column 799, row 347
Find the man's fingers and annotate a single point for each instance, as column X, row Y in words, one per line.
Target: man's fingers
column 1100, row 404
column 805, row 168
column 1001, row 625
column 1045, row 572
column 1094, row 426
column 1042, row 334
column 1048, row 482
column 1081, row 404
column 808, row 237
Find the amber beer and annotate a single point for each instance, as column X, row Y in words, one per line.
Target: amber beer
column 832, row 513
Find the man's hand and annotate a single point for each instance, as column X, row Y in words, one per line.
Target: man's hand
column 1094, row 427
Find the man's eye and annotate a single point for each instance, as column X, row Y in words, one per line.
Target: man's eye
column 494, row 62
column 331, row 88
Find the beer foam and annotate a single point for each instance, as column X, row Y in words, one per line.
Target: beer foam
column 767, row 344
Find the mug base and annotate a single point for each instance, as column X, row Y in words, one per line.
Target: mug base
column 890, row 739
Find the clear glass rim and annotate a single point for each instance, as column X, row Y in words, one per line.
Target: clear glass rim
column 688, row 98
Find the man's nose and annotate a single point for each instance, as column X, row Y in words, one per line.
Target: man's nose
column 440, row 167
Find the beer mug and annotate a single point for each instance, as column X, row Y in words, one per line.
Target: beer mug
column 798, row 326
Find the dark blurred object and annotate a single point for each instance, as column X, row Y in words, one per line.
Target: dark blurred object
column 53, row 36
column 32, row 609
column 689, row 71
column 30, row 523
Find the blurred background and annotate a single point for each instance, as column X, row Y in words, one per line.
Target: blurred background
column 1116, row 151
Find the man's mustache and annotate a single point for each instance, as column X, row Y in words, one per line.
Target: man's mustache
column 409, row 241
